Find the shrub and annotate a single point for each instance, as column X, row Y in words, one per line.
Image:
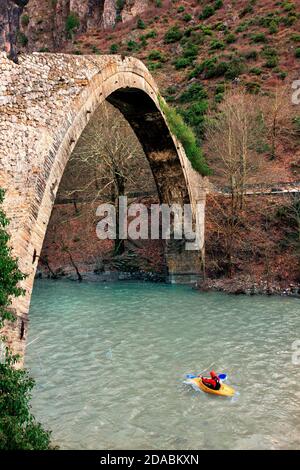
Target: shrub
column 251, row 55
column 114, row 48
column 295, row 37
column 133, row 46
column 288, row 6
column 235, row 67
column 173, row 35
column 180, row 9
column 230, row 38
column 25, row 20
column 187, row 17
column 218, row 4
column 289, row 20
column 211, row 68
column 155, row 55
column 252, row 87
column 187, row 138
column 271, row 55
column 154, row 65
column 72, row 24
column 297, row 53
column 207, row 12
column 141, row 24
column 194, row 116
column 258, row 38
column 191, row 50
column 150, row 34
column 272, row 62
column 95, row 49
column 216, row 45
column 183, row 62
column 19, row 430
column 256, row 71
column 248, row 9
column 22, row 39
column 194, row 92
column 273, row 28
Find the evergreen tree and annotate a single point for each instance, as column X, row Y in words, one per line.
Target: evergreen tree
column 18, row 427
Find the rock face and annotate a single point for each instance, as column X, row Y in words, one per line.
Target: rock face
column 45, row 25
column 10, row 11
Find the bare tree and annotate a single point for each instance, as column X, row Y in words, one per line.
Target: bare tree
column 231, row 142
column 278, row 114
column 102, row 164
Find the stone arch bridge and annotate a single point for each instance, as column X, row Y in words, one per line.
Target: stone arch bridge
column 46, row 100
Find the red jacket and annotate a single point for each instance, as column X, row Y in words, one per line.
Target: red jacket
column 214, row 381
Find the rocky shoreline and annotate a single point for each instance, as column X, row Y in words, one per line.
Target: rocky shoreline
column 244, row 287
column 227, row 286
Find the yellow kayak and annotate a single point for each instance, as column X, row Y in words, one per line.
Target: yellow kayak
column 224, row 391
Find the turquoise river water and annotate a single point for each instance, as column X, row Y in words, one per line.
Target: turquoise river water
column 110, row 360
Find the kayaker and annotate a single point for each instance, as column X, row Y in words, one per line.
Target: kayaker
column 213, row 382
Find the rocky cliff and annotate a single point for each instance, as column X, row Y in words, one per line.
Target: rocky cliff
column 47, row 23
column 10, row 11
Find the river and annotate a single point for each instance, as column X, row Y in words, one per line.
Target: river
column 110, row 359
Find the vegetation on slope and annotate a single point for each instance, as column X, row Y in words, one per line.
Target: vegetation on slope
column 18, row 427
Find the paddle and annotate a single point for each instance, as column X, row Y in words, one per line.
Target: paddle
column 192, row 376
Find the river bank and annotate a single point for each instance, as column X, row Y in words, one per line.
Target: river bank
column 246, row 286
column 234, row 286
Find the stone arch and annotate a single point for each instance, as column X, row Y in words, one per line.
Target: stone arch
column 47, row 102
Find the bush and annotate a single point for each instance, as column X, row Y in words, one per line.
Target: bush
column 207, row 12
column 114, row 48
column 72, row 23
column 218, row 4
column 187, row 138
column 273, row 28
column 252, row 87
column 173, row 35
column 25, row 20
column 272, row 62
column 183, row 62
column 187, row 17
column 230, row 38
column 217, row 45
column 251, row 55
column 297, row 53
column 235, row 68
column 288, row 6
column 180, row 9
column 154, row 65
column 191, row 50
column 295, row 37
column 22, row 39
column 194, row 92
column 272, row 58
column 155, row 55
column 18, row 428
column 133, row 46
column 194, row 116
column 150, row 34
column 141, row 24
column 258, row 38
column 256, row 71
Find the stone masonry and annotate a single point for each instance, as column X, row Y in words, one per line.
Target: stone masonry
column 45, row 103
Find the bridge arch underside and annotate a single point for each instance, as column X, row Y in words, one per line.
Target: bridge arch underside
column 128, row 86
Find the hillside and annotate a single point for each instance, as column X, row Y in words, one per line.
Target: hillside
column 198, row 52
column 251, row 43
